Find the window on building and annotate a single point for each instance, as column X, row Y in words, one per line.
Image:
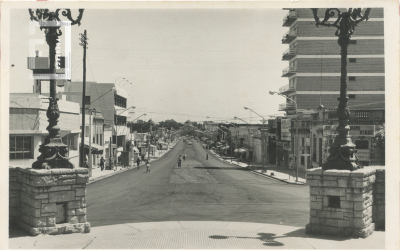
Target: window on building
column 120, row 120
column 314, row 149
column 119, row 101
column 101, row 140
column 352, row 60
column 362, row 114
column 21, row 147
column 352, row 78
column 352, row 96
column 87, row 100
column 332, row 115
column 72, row 142
column 86, row 131
column 362, row 144
column 353, row 42
column 302, row 142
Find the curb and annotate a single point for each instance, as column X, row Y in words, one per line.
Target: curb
column 124, row 169
column 262, row 174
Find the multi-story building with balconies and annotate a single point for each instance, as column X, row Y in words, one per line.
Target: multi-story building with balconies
column 314, row 72
column 314, row 63
column 111, row 101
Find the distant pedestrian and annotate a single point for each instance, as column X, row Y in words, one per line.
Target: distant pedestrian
column 102, row 163
column 292, row 164
column 184, row 157
column 138, row 162
column 179, row 161
column 147, row 165
column 142, row 157
column 207, row 157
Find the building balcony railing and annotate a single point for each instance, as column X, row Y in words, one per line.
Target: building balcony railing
column 286, row 106
column 289, row 18
column 287, row 89
column 289, row 36
column 288, row 71
column 289, row 54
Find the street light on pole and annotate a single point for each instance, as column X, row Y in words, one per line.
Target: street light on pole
column 297, row 132
column 115, row 82
column 342, row 151
column 126, row 83
column 248, row 129
column 262, row 136
column 53, row 150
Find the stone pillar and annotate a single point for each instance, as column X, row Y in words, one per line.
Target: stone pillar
column 378, row 209
column 14, row 189
column 341, row 202
column 53, row 201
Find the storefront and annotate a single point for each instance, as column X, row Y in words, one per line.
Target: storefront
column 362, row 136
column 285, row 138
column 279, row 153
column 286, row 153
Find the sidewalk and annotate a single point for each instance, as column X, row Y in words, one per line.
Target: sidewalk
column 197, row 235
column 272, row 171
column 97, row 174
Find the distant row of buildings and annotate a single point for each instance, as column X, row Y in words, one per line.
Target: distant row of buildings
column 314, row 71
column 106, row 124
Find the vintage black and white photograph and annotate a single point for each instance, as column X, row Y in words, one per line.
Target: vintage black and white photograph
column 200, row 125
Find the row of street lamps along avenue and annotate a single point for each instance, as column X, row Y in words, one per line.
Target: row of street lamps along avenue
column 341, row 153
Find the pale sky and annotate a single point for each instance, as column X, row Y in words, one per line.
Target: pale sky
column 183, row 64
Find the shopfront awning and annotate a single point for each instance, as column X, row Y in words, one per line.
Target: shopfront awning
column 63, row 133
column 95, row 148
column 135, row 149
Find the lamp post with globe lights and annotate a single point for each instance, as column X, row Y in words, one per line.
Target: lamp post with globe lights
column 342, row 151
column 53, row 150
column 296, row 155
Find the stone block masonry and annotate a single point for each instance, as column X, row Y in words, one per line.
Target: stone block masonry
column 348, row 203
column 48, row 201
column 378, row 207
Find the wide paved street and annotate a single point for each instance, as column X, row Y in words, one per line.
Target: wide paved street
column 202, row 190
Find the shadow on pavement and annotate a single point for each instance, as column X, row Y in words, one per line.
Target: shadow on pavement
column 268, row 238
column 271, row 239
column 224, row 168
column 16, row 233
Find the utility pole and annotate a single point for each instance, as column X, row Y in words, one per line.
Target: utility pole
column 84, row 44
column 148, row 138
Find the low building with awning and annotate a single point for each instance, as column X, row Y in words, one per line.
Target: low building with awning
column 28, row 123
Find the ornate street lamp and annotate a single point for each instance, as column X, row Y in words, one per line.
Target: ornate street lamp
column 342, row 152
column 53, row 150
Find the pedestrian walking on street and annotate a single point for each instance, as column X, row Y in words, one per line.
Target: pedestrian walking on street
column 207, row 157
column 138, row 162
column 184, row 157
column 179, row 161
column 292, row 164
column 102, row 163
column 147, row 166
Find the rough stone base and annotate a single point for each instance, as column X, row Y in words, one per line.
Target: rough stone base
column 353, row 232
column 65, row 228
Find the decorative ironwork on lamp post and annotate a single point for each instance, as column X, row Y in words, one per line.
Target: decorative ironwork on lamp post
column 342, row 152
column 53, row 150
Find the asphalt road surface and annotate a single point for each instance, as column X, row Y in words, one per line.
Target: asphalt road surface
column 202, row 190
